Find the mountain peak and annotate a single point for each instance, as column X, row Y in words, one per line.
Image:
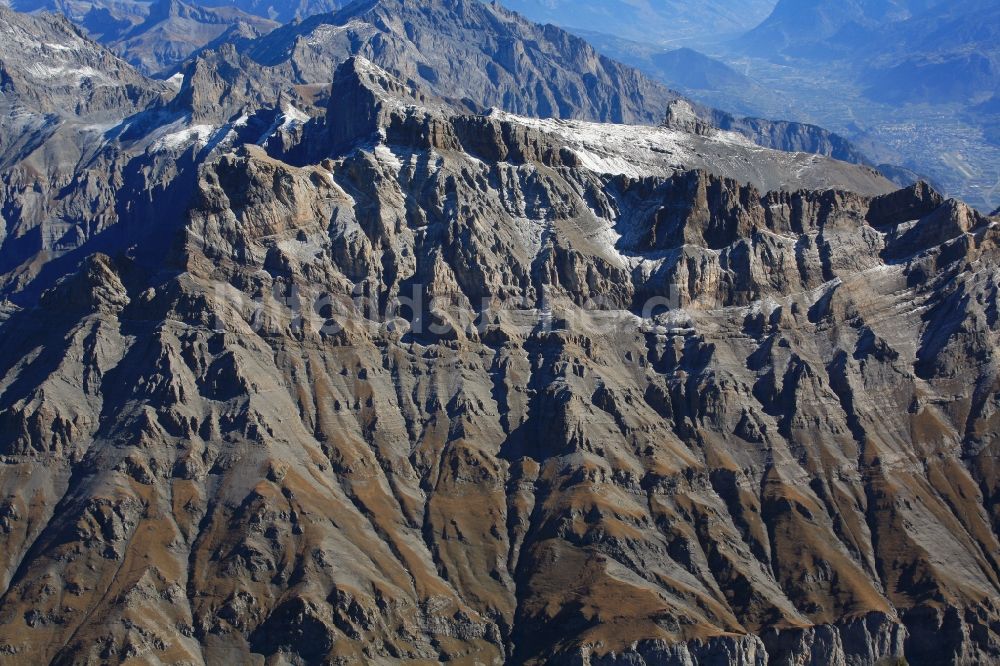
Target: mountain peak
column 682, row 116
column 359, row 71
column 362, row 97
column 478, row 55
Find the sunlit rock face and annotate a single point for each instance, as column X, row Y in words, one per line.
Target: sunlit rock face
column 396, row 381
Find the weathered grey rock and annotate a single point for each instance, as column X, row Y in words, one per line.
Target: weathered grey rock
column 473, row 53
column 158, row 32
column 682, row 116
column 48, row 66
column 875, row 638
column 515, row 60
column 651, row 397
column 172, row 31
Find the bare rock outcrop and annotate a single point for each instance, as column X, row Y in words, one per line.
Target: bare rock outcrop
column 411, row 383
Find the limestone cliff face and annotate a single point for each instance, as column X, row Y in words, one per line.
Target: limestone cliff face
column 404, row 384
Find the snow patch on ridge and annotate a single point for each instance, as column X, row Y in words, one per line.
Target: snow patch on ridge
column 175, row 81
column 200, row 134
column 322, row 35
column 637, row 151
column 293, row 115
column 626, row 149
column 388, row 158
column 76, row 74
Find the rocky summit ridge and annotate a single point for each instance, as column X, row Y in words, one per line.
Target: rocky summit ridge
column 378, row 376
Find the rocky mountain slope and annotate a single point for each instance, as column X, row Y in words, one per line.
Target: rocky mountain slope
column 478, row 56
column 108, row 12
column 64, row 101
column 48, row 67
column 153, row 36
column 172, row 31
column 394, row 381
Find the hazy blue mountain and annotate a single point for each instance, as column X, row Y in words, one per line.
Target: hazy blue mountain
column 281, row 10
column 133, row 10
column 950, row 52
column 936, row 77
column 691, row 69
column 803, row 27
column 912, row 81
column 651, row 21
column 173, row 30
column 155, row 36
column 900, row 51
column 704, row 78
column 988, row 114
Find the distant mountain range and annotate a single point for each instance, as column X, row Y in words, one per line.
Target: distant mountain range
column 913, row 82
column 282, row 11
column 651, row 21
column 702, row 77
column 903, row 51
column 172, row 31
column 798, row 26
column 171, row 37
column 155, row 36
column 949, row 53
